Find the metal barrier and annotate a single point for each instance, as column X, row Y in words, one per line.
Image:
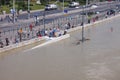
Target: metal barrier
column 30, row 30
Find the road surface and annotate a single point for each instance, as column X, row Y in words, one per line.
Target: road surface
column 50, row 16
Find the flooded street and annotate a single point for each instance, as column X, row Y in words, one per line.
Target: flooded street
column 95, row 59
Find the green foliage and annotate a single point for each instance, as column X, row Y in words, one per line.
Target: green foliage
column 22, row 4
column 34, row 7
column 2, row 2
column 4, row 8
column 82, row 1
column 44, row 2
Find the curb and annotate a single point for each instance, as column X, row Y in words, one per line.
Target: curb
column 53, row 40
column 18, row 45
column 87, row 25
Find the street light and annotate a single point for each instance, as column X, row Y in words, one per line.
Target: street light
column 83, row 26
column 63, row 6
column 83, row 18
column 86, row 2
column 28, row 9
column 13, row 10
column 86, row 7
column 44, row 21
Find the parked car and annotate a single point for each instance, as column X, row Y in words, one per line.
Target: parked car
column 74, row 4
column 51, row 7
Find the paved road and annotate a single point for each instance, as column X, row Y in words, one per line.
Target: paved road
column 96, row 59
column 49, row 18
column 40, row 12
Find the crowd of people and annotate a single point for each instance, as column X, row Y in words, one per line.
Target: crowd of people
column 50, row 32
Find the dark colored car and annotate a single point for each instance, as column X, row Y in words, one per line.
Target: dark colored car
column 110, row 12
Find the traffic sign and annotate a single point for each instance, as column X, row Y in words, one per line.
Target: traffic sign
column 65, row 11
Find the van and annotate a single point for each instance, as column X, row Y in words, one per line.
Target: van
column 74, row 4
column 51, row 7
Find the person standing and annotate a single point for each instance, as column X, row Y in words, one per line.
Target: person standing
column 20, row 34
column 7, row 41
column 1, row 43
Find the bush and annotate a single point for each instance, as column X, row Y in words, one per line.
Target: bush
column 31, row 4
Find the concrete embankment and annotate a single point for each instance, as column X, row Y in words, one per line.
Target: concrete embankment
column 53, row 40
column 32, row 41
column 21, row 44
column 96, row 22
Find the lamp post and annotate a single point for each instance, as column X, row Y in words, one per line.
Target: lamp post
column 86, row 6
column 83, row 26
column 83, row 18
column 28, row 9
column 63, row 6
column 86, row 2
column 13, row 10
column 44, row 21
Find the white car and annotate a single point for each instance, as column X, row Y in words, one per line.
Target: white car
column 74, row 4
column 51, row 7
column 94, row 6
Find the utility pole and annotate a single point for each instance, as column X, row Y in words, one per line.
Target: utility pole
column 86, row 7
column 83, row 26
column 86, row 3
column 0, row 3
column 13, row 11
column 83, row 18
column 63, row 6
column 44, row 21
column 28, row 9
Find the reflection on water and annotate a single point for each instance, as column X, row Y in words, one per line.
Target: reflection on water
column 96, row 59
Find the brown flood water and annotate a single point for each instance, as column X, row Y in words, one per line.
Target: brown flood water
column 96, row 59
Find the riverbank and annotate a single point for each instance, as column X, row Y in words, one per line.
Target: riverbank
column 43, row 39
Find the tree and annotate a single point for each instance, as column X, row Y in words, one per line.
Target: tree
column 2, row 2
column 21, row 5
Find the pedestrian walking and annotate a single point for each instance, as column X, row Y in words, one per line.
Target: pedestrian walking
column 93, row 19
column 65, row 32
column 20, row 34
column 7, row 41
column 69, row 25
column 16, row 40
column 88, row 21
column 81, row 23
column 31, row 27
column 0, row 33
column 89, row 18
column 1, row 43
column 1, row 19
